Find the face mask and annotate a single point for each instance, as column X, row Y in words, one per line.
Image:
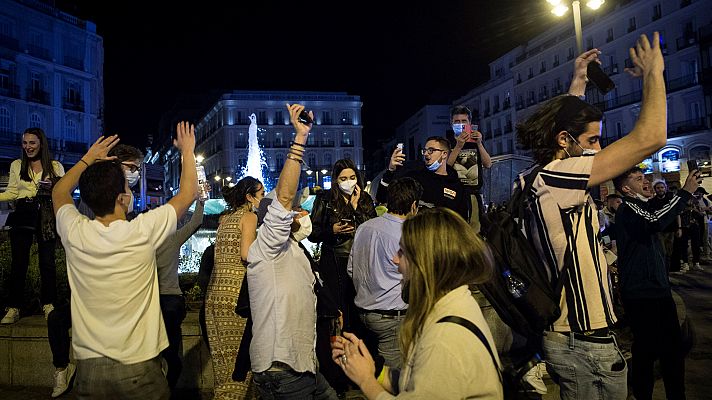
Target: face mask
column 434, row 166
column 348, row 186
column 458, row 128
column 305, row 228
column 132, row 177
column 584, row 152
column 129, row 208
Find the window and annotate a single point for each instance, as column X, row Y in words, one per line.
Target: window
column 278, row 117
column 327, row 159
column 695, row 111
column 631, row 24
column 556, row 60
column 571, row 54
column 589, row 43
column 619, row 130
column 280, row 161
column 262, row 117
column 36, row 83
column 4, row 80
column 346, row 139
column 35, row 121
column 73, row 94
column 657, row 12
column 531, row 73
column 346, row 117
column 70, row 130
column 543, row 67
column 347, row 155
column 5, row 120
column 326, row 118
column 609, row 35
column 278, row 141
column 312, row 160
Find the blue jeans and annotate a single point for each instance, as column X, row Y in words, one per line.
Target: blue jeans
column 104, row 378
column 386, row 329
column 283, row 385
column 585, row 370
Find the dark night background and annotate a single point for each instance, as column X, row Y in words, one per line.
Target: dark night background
column 398, row 56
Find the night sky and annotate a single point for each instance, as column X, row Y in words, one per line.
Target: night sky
column 398, row 56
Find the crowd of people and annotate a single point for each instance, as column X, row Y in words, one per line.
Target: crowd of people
column 391, row 304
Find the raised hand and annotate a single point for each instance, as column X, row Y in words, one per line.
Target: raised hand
column 397, row 159
column 100, row 149
column 462, row 139
column 352, row 355
column 300, row 128
column 693, row 181
column 185, row 137
column 582, row 61
column 646, row 57
column 355, row 196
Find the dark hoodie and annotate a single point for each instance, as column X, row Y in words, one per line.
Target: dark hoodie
column 641, row 261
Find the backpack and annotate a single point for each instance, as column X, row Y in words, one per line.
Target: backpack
column 538, row 307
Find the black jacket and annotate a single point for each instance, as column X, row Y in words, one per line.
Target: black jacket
column 641, row 261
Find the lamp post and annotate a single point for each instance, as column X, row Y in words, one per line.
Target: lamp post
column 222, row 181
column 560, row 9
column 323, row 172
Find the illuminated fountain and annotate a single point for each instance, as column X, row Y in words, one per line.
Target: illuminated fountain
column 192, row 250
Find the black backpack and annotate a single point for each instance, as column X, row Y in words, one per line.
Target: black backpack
column 530, row 314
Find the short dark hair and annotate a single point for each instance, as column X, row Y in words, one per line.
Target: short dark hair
column 124, row 152
column 461, row 109
column 619, row 180
column 236, row 196
column 613, row 196
column 441, row 141
column 402, row 193
column 99, row 186
column 538, row 132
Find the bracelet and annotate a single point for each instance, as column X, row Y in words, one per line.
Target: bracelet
column 294, row 158
column 293, row 143
column 296, row 150
column 82, row 160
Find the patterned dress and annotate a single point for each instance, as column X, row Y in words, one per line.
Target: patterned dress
column 225, row 328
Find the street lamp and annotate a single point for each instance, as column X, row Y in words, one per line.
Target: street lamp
column 199, row 159
column 219, row 178
column 560, row 9
column 323, row 172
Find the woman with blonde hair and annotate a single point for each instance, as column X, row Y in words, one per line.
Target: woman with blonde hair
column 447, row 347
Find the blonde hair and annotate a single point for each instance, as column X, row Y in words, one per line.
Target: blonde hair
column 442, row 254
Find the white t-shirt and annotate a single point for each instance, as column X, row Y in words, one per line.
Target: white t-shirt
column 116, row 311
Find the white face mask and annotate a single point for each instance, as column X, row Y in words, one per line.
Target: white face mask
column 129, row 207
column 305, row 228
column 132, row 177
column 348, row 186
column 584, row 152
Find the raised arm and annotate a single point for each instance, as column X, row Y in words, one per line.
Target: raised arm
column 289, row 177
column 580, row 78
column 62, row 191
column 650, row 132
column 188, row 189
column 187, row 230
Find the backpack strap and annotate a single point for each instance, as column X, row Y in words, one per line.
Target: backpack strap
column 515, row 206
column 477, row 332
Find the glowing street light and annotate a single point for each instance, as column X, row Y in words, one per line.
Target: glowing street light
column 199, row 158
column 323, row 172
column 559, row 9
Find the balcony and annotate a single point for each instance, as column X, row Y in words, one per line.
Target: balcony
column 609, row 39
column 682, row 82
column 39, row 52
column 531, row 101
column 688, row 40
column 519, row 105
column 495, row 109
column 347, row 144
column 75, row 63
column 631, row 28
column 327, row 143
column 10, row 91
column 506, row 105
column 508, row 127
column 9, row 42
column 619, row 101
column 10, row 138
column 37, row 96
column 74, row 105
column 556, row 63
column 684, row 127
column 543, row 96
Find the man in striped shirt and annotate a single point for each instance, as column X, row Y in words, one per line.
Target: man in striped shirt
column 563, row 136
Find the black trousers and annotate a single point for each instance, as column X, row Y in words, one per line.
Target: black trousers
column 696, row 241
column 20, row 243
column 58, row 323
column 173, row 309
column 656, row 335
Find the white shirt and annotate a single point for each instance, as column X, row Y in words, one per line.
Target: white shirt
column 282, row 299
column 448, row 361
column 112, row 272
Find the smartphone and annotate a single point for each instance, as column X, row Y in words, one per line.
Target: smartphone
column 305, row 118
column 334, row 329
column 692, row 165
column 347, row 221
column 399, row 146
column 599, row 78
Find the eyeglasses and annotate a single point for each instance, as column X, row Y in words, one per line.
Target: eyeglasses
column 429, row 151
column 132, row 167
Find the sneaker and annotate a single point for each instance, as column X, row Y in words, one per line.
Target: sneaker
column 680, row 272
column 47, row 308
column 535, row 378
column 12, row 316
column 63, row 380
column 696, row 266
column 685, row 267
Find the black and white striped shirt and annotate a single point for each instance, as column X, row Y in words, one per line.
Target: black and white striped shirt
column 563, row 225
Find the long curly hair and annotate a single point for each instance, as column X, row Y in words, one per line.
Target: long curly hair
column 336, row 194
column 45, row 157
column 538, row 132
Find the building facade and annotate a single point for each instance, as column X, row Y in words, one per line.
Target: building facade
column 542, row 68
column 222, row 136
column 51, row 76
column 431, row 120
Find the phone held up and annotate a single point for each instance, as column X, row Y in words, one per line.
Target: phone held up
column 305, row 118
column 599, row 78
column 694, row 165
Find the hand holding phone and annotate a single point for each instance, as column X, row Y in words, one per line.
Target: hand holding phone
column 599, row 78
column 692, row 165
column 305, row 118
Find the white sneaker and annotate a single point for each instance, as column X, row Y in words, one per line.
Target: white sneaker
column 47, row 308
column 534, row 377
column 63, row 380
column 685, row 267
column 697, row 267
column 12, row 316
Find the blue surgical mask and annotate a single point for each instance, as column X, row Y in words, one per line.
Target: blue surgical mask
column 434, row 166
column 458, row 128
